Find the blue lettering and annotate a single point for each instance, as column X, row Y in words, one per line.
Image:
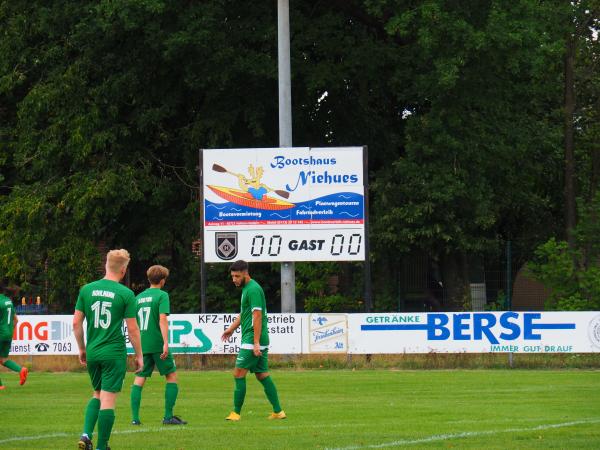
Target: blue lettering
column 432, row 326
column 479, row 328
column 457, row 322
column 504, row 322
column 528, row 325
column 302, row 178
column 277, row 162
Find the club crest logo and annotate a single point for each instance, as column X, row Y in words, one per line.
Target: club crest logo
column 594, row 331
column 226, row 245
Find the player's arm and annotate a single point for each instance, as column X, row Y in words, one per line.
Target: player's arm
column 78, row 319
column 134, row 336
column 257, row 326
column 15, row 319
column 231, row 328
column 163, row 322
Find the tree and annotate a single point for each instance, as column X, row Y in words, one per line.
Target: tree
column 481, row 149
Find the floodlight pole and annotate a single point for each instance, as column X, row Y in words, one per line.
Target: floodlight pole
column 288, row 272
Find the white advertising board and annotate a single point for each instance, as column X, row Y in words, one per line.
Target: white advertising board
column 293, row 204
column 44, row 335
column 392, row 333
column 475, row 332
column 201, row 333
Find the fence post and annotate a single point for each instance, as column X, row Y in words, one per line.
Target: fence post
column 508, row 276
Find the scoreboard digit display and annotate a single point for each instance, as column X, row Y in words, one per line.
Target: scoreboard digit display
column 292, row 204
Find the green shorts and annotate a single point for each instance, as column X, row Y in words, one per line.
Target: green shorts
column 164, row 366
column 107, row 375
column 5, row 348
column 255, row 364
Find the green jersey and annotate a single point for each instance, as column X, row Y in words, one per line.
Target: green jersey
column 253, row 298
column 7, row 315
column 150, row 305
column 105, row 304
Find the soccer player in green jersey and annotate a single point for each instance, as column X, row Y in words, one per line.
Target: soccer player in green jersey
column 152, row 311
column 104, row 304
column 253, row 355
column 8, row 320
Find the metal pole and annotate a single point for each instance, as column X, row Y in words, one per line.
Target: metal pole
column 288, row 273
column 367, row 264
column 508, row 276
column 202, row 263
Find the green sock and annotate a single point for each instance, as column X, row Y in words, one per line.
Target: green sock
column 171, row 391
column 239, row 394
column 12, row 366
column 106, row 419
column 271, row 392
column 91, row 416
column 136, row 399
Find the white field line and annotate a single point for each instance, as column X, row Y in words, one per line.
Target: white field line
column 178, row 429
column 466, row 434
column 398, row 443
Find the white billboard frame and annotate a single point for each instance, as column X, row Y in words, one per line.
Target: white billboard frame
column 313, row 204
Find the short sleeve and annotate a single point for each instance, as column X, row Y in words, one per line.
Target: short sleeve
column 130, row 306
column 255, row 299
column 79, row 305
column 164, row 304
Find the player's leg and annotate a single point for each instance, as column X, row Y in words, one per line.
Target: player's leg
column 106, row 418
column 11, row 365
column 167, row 368
column 262, row 375
column 92, row 408
column 244, row 362
column 2, row 361
column 113, row 374
column 239, row 393
column 136, row 399
column 136, row 389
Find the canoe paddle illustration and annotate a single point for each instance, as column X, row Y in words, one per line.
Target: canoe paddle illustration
column 218, row 168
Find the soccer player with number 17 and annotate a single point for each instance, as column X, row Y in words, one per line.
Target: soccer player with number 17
column 152, row 310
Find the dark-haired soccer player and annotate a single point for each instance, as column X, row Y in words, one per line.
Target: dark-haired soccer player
column 253, row 355
column 104, row 304
column 8, row 320
column 152, row 311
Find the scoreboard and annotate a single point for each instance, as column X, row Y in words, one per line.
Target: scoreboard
column 291, row 204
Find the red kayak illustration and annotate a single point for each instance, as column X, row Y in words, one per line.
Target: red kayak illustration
column 243, row 198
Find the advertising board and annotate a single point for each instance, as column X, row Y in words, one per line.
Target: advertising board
column 293, row 204
column 387, row 333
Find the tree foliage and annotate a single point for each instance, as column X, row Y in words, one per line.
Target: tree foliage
column 104, row 105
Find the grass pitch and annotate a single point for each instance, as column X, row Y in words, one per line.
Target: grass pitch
column 493, row 409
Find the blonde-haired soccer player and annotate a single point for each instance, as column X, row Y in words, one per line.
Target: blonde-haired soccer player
column 152, row 310
column 104, row 304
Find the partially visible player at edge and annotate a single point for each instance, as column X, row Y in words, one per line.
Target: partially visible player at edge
column 253, row 355
column 8, row 320
column 104, row 304
column 152, row 311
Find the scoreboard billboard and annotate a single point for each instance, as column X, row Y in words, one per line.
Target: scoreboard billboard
column 284, row 204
